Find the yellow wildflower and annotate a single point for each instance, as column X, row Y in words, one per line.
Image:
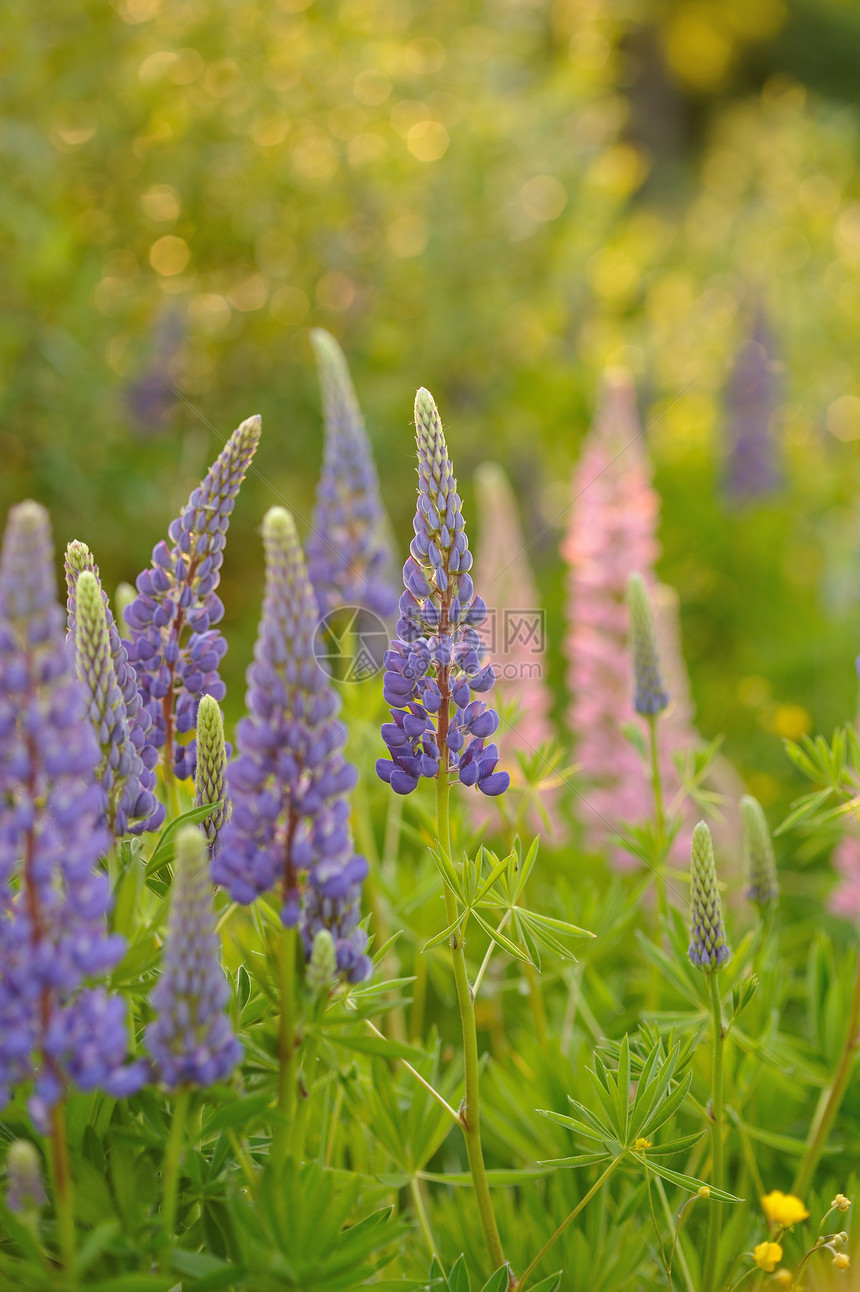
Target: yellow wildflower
column 842, row 1260
column 783, row 1208
column 841, row 1202
column 704, row 1191
column 783, row 1278
column 640, row 1145
column 767, row 1256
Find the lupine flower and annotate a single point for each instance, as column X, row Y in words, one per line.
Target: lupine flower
column 346, row 550
column 751, row 398
column 519, row 652
column 433, row 666
column 25, row 1187
column 612, row 533
column 53, row 897
column 759, row 864
column 649, row 696
column 290, row 827
column 79, row 559
column 191, row 1039
column 708, row 947
column 174, row 646
column 210, row 774
column 120, row 772
column 845, row 899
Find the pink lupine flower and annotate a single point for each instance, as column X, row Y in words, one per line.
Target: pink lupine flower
column 514, row 635
column 845, row 898
column 612, row 533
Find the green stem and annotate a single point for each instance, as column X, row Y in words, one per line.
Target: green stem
column 831, row 1098
column 470, row 1114
column 421, row 1214
column 64, row 1203
column 286, row 1045
column 595, row 1188
column 172, row 1162
column 709, row 1282
column 659, row 813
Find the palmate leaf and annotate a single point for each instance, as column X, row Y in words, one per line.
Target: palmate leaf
column 162, row 853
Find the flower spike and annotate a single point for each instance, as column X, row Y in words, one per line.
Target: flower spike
column 708, row 947
column 346, row 549
column 433, row 666
column 174, row 646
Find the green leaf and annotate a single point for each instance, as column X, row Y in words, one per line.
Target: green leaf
column 580, row 1159
column 690, row 1184
column 551, row 1284
column 162, row 854
column 382, row 1046
column 497, row 1282
column 500, row 939
column 458, row 1279
column 238, row 1112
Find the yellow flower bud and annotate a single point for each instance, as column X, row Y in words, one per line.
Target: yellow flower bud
column 841, row 1202
column 842, row 1260
column 783, row 1278
column 640, row 1145
column 704, row 1191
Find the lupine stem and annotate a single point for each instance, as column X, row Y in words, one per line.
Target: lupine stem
column 831, row 1098
column 286, row 1044
column 659, row 812
column 709, row 1282
column 470, row 1114
column 595, row 1188
column 63, row 1195
column 172, row 1162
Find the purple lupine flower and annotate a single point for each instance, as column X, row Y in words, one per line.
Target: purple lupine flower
column 174, row 646
column 434, row 665
column 649, row 696
column 751, row 399
column 708, row 948
column 53, row 897
column 346, row 549
column 78, row 559
column 191, row 1039
column 125, row 781
column 211, row 770
column 290, row 827
column 25, row 1186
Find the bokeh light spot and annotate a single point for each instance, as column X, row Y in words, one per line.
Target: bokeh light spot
column 169, row 255
column 428, row 141
column 543, row 198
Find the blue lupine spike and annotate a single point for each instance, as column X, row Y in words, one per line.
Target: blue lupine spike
column 433, row 661
column 289, row 784
column 347, row 553
column 173, row 644
column 708, row 947
column 54, row 1032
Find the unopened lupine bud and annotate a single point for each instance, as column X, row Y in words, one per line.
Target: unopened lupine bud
column 322, row 965
column 25, row 1188
column 434, row 664
column 211, row 770
column 191, row 1039
column 708, row 947
column 347, row 553
column 290, row 828
column 760, row 867
column 129, row 798
column 650, row 696
column 174, row 646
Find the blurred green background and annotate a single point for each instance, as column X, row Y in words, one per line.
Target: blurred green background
column 491, row 199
